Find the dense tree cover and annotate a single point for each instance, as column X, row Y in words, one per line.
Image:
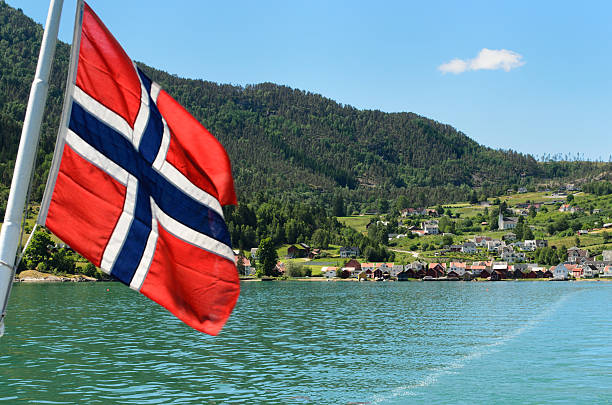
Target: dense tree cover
column 560, row 225
column 523, row 231
column 291, row 141
column 574, row 169
column 20, row 41
column 42, row 255
column 550, row 256
column 598, row 188
column 493, row 218
column 287, row 221
column 39, row 249
column 305, row 143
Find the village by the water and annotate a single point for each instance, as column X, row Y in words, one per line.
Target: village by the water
column 432, row 245
column 560, row 234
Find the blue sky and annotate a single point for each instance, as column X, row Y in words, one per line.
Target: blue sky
column 529, row 76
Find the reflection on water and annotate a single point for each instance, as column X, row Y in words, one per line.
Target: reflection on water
column 327, row 342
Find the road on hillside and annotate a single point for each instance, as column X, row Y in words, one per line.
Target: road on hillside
column 414, row 254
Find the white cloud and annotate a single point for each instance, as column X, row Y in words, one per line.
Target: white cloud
column 487, row 59
column 455, row 66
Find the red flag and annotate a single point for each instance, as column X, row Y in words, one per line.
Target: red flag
column 137, row 186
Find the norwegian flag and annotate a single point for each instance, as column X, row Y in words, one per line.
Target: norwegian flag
column 137, row 185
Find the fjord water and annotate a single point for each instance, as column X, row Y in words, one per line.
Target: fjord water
column 314, row 342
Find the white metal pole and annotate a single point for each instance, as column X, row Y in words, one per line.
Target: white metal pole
column 25, row 156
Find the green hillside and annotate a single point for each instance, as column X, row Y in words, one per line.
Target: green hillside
column 290, row 142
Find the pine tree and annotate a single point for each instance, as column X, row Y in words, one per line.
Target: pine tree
column 267, row 258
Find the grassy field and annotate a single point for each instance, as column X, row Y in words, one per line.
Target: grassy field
column 333, row 251
column 592, row 242
column 316, row 270
column 357, row 222
column 468, row 210
column 513, row 199
column 403, row 258
column 457, row 205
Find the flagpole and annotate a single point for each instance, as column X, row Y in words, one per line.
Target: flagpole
column 9, row 234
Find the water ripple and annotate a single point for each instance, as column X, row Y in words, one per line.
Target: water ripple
column 291, row 343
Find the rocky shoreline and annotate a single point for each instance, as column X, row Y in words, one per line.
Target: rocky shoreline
column 34, row 276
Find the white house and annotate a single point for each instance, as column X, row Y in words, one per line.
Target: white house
column 577, row 255
column 607, row 272
column 481, row 241
column 599, row 264
column 520, row 245
column 530, row 245
column 510, row 236
column 329, row 272
column 396, row 269
column 416, row 266
column 567, row 208
column 468, row 247
column 413, row 211
column 350, row 251
column 506, row 222
column 607, row 255
column 510, row 256
column 589, row 270
column 457, row 267
column 561, row 272
column 494, row 244
column 500, row 266
column 430, row 227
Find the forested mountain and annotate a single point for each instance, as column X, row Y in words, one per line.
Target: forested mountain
column 288, row 142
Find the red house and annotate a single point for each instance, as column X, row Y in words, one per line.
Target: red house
column 294, row 251
column 410, row 273
column 452, row 274
column 497, row 275
column 354, row 263
column 485, row 273
column 436, row 270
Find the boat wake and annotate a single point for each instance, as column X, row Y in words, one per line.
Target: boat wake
column 483, row 350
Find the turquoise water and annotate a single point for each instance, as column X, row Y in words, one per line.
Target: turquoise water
column 315, row 343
